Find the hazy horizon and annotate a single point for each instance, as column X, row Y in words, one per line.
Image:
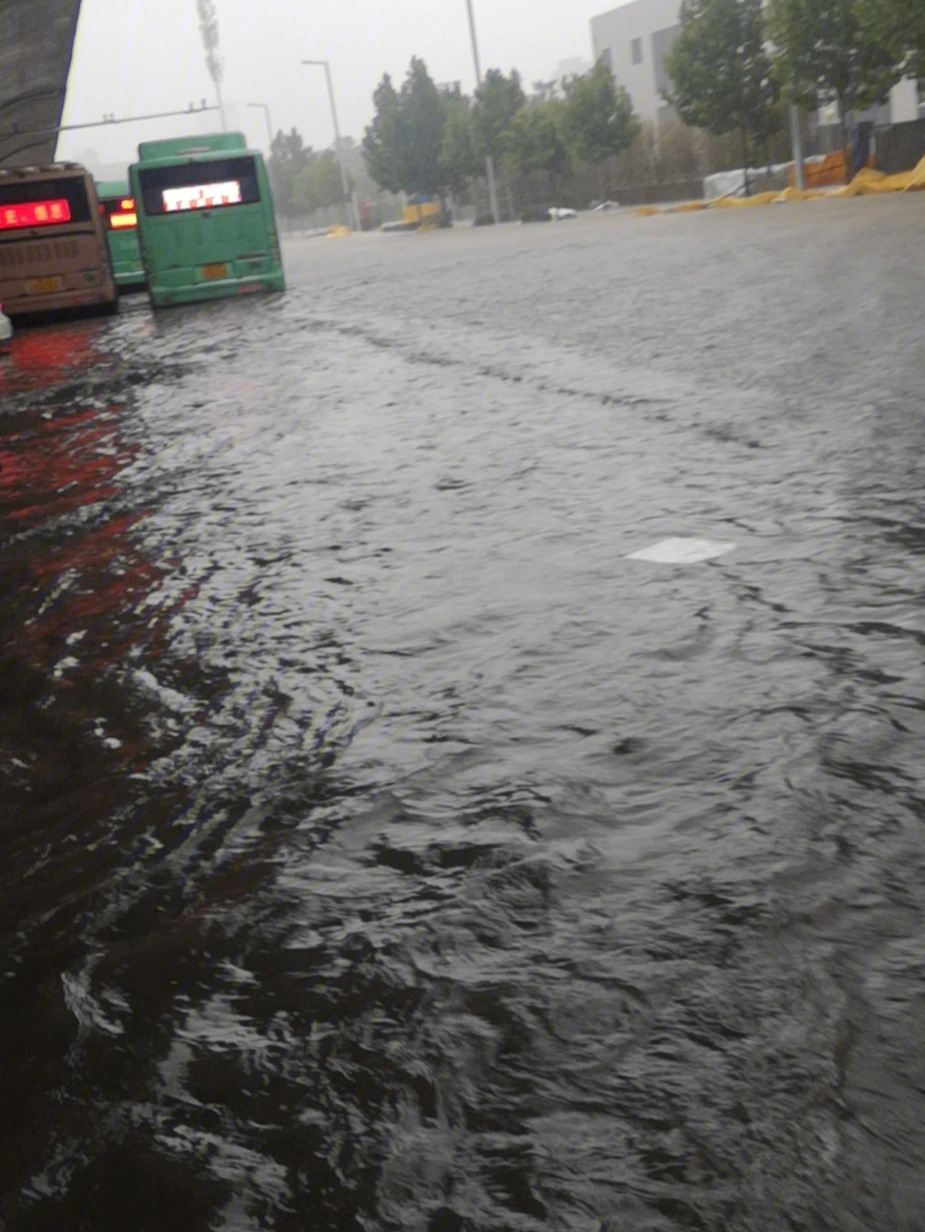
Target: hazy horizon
column 138, row 60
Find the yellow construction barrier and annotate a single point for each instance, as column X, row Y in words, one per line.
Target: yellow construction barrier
column 867, row 182
column 736, row 203
column 427, row 215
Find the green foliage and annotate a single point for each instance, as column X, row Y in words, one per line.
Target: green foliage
column 900, row 25
column 496, row 103
column 405, row 145
column 459, row 157
column 301, row 179
column 384, row 139
column 721, row 71
column 598, row 120
column 319, row 185
column 288, row 160
column 535, row 140
column 423, row 114
column 835, row 49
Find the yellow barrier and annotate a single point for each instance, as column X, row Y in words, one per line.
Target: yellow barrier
column 427, row 213
column 867, row 182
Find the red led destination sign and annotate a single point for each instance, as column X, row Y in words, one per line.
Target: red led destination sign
column 34, row 214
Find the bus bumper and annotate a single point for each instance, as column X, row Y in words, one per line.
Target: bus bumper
column 196, row 292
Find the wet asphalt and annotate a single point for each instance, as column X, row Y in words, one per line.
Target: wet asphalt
column 382, row 846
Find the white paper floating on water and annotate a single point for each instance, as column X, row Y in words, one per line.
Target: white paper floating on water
column 681, row 551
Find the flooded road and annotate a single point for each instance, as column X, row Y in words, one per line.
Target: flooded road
column 380, row 846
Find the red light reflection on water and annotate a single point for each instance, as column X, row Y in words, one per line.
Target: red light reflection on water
column 76, row 582
column 42, row 358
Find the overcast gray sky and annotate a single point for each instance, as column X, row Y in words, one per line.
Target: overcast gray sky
column 137, row 56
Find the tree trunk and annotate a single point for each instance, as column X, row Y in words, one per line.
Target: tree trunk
column 748, row 191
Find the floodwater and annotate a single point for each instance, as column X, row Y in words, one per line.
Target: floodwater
column 380, row 846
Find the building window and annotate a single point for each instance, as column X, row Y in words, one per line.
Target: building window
column 636, row 51
column 606, row 59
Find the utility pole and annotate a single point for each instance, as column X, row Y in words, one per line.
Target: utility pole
column 489, row 161
column 208, row 28
column 266, row 112
column 353, row 214
column 796, row 143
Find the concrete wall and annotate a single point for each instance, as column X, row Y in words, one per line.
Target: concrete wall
column 36, row 41
column 904, row 102
column 634, row 39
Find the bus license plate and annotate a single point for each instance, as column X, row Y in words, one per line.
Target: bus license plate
column 44, row 286
column 211, row 272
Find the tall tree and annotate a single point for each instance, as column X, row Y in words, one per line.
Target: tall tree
column 834, row 50
column 721, row 71
column 404, row 144
column 901, row 24
column 423, row 112
column 384, row 140
column 287, row 164
column 318, row 185
column 496, row 103
column 208, row 28
column 535, row 141
column 598, row 119
column 458, row 156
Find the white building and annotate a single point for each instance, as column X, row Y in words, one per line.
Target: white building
column 635, row 38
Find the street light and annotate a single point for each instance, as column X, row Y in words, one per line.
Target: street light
column 266, row 112
column 352, row 212
column 489, row 161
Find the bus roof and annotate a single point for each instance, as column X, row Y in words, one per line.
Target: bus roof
column 191, row 147
column 111, row 188
column 45, row 170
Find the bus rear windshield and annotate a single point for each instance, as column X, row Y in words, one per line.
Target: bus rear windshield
column 43, row 203
column 215, row 184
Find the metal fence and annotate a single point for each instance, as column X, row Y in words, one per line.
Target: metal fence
column 659, row 191
column 900, row 147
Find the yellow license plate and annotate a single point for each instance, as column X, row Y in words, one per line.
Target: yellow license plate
column 210, row 272
column 44, row 286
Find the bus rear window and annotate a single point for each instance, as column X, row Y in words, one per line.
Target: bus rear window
column 43, row 203
column 214, row 184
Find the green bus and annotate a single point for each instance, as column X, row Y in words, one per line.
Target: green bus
column 205, row 219
column 122, row 234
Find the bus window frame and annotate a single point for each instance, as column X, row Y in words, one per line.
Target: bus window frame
column 195, row 173
column 29, row 191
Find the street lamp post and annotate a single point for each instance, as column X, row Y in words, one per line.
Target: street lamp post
column 352, row 212
column 266, row 112
column 489, row 161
